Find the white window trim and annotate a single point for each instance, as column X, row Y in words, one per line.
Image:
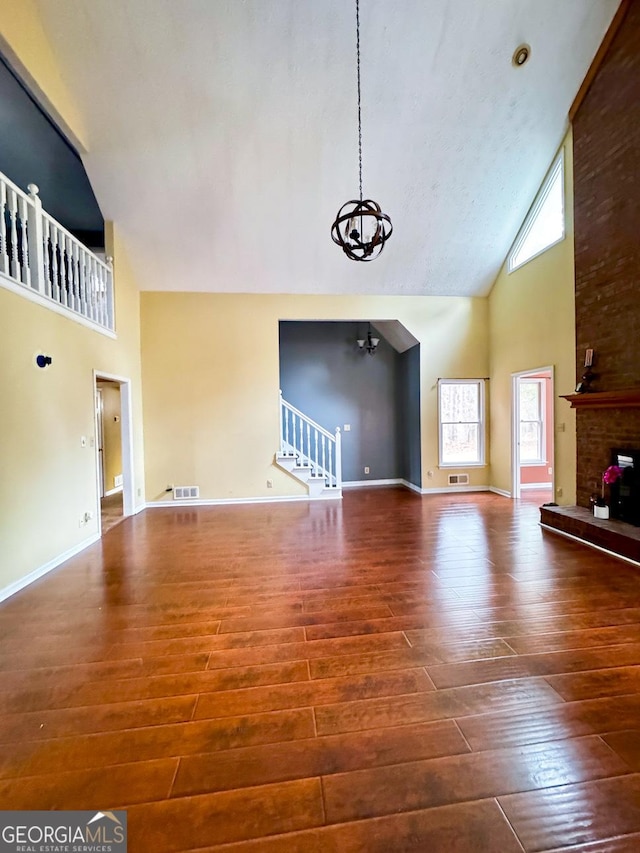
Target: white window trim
column 532, row 215
column 532, row 463
column 480, row 463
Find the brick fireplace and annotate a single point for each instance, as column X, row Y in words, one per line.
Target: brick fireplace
column 606, row 135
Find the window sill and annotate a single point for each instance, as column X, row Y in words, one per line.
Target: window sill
column 449, row 465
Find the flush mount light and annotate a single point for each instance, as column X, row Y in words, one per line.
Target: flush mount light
column 361, row 228
column 521, row 55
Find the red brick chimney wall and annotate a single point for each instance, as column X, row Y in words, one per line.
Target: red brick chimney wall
column 606, row 134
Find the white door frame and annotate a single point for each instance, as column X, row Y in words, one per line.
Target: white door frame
column 515, row 428
column 126, row 433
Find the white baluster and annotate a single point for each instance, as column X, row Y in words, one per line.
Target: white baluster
column 77, row 268
column 111, row 323
column 86, row 280
column 25, row 272
column 62, row 270
column 316, row 457
column 56, row 289
column 301, row 440
column 100, row 292
column 71, row 273
column 286, row 429
column 324, row 449
column 37, row 248
column 13, row 224
column 4, row 257
column 331, row 463
column 92, row 288
column 309, row 444
column 46, row 241
column 281, row 424
column 338, row 458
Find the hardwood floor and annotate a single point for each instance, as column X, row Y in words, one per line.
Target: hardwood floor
column 389, row 673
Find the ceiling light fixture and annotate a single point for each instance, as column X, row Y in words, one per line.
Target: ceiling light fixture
column 370, row 345
column 361, row 229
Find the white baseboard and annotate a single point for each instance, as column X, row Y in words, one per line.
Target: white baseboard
column 502, row 492
column 115, row 491
column 362, row 484
column 588, row 544
column 454, row 490
column 524, row 486
column 411, row 486
column 226, row 501
column 23, row 582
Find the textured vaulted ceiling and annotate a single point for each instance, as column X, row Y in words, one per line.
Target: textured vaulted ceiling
column 223, row 134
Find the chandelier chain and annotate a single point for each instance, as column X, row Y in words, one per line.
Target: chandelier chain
column 359, row 95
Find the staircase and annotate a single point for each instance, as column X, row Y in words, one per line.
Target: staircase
column 310, row 453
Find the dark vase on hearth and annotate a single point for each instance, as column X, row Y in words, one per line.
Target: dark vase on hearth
column 625, row 492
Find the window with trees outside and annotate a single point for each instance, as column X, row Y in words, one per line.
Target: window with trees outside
column 531, row 400
column 461, row 416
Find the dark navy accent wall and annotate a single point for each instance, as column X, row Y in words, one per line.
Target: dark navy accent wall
column 33, row 151
column 323, row 374
column 408, row 409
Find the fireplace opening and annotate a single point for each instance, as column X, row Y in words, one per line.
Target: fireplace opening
column 625, row 492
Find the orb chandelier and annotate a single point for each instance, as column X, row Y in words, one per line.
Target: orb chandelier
column 361, row 229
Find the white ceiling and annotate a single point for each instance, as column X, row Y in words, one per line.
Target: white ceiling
column 223, row 133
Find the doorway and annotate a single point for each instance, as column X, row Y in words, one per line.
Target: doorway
column 533, row 434
column 114, row 449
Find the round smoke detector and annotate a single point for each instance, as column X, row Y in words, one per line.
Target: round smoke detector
column 521, row 55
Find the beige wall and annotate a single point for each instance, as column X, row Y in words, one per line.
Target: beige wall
column 111, row 434
column 211, row 370
column 48, row 479
column 532, row 325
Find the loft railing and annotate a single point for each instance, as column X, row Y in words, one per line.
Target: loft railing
column 42, row 257
column 312, row 445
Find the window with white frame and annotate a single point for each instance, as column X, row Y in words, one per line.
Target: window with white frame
column 532, row 438
column 461, row 420
column 544, row 224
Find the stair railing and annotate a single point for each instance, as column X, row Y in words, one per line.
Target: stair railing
column 312, row 445
column 39, row 256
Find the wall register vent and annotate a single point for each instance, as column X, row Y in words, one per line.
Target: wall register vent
column 458, row 479
column 185, row 493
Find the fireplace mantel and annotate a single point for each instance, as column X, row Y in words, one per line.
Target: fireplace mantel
column 626, row 399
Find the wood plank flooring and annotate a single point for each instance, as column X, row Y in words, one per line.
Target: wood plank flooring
column 388, row 673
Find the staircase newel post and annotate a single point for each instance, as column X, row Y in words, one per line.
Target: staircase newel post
column 35, row 234
column 281, row 426
column 338, row 459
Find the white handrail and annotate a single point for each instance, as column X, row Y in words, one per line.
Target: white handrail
column 312, row 445
column 41, row 256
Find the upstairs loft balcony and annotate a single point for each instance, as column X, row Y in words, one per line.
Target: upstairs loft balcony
column 43, row 261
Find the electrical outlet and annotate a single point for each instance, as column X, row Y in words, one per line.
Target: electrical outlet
column 83, row 441
column 559, row 491
column 549, row 470
column 430, row 474
column 366, row 469
column 347, row 427
column 269, row 484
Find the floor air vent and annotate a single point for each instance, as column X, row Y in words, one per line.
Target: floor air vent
column 458, row 479
column 185, row 493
